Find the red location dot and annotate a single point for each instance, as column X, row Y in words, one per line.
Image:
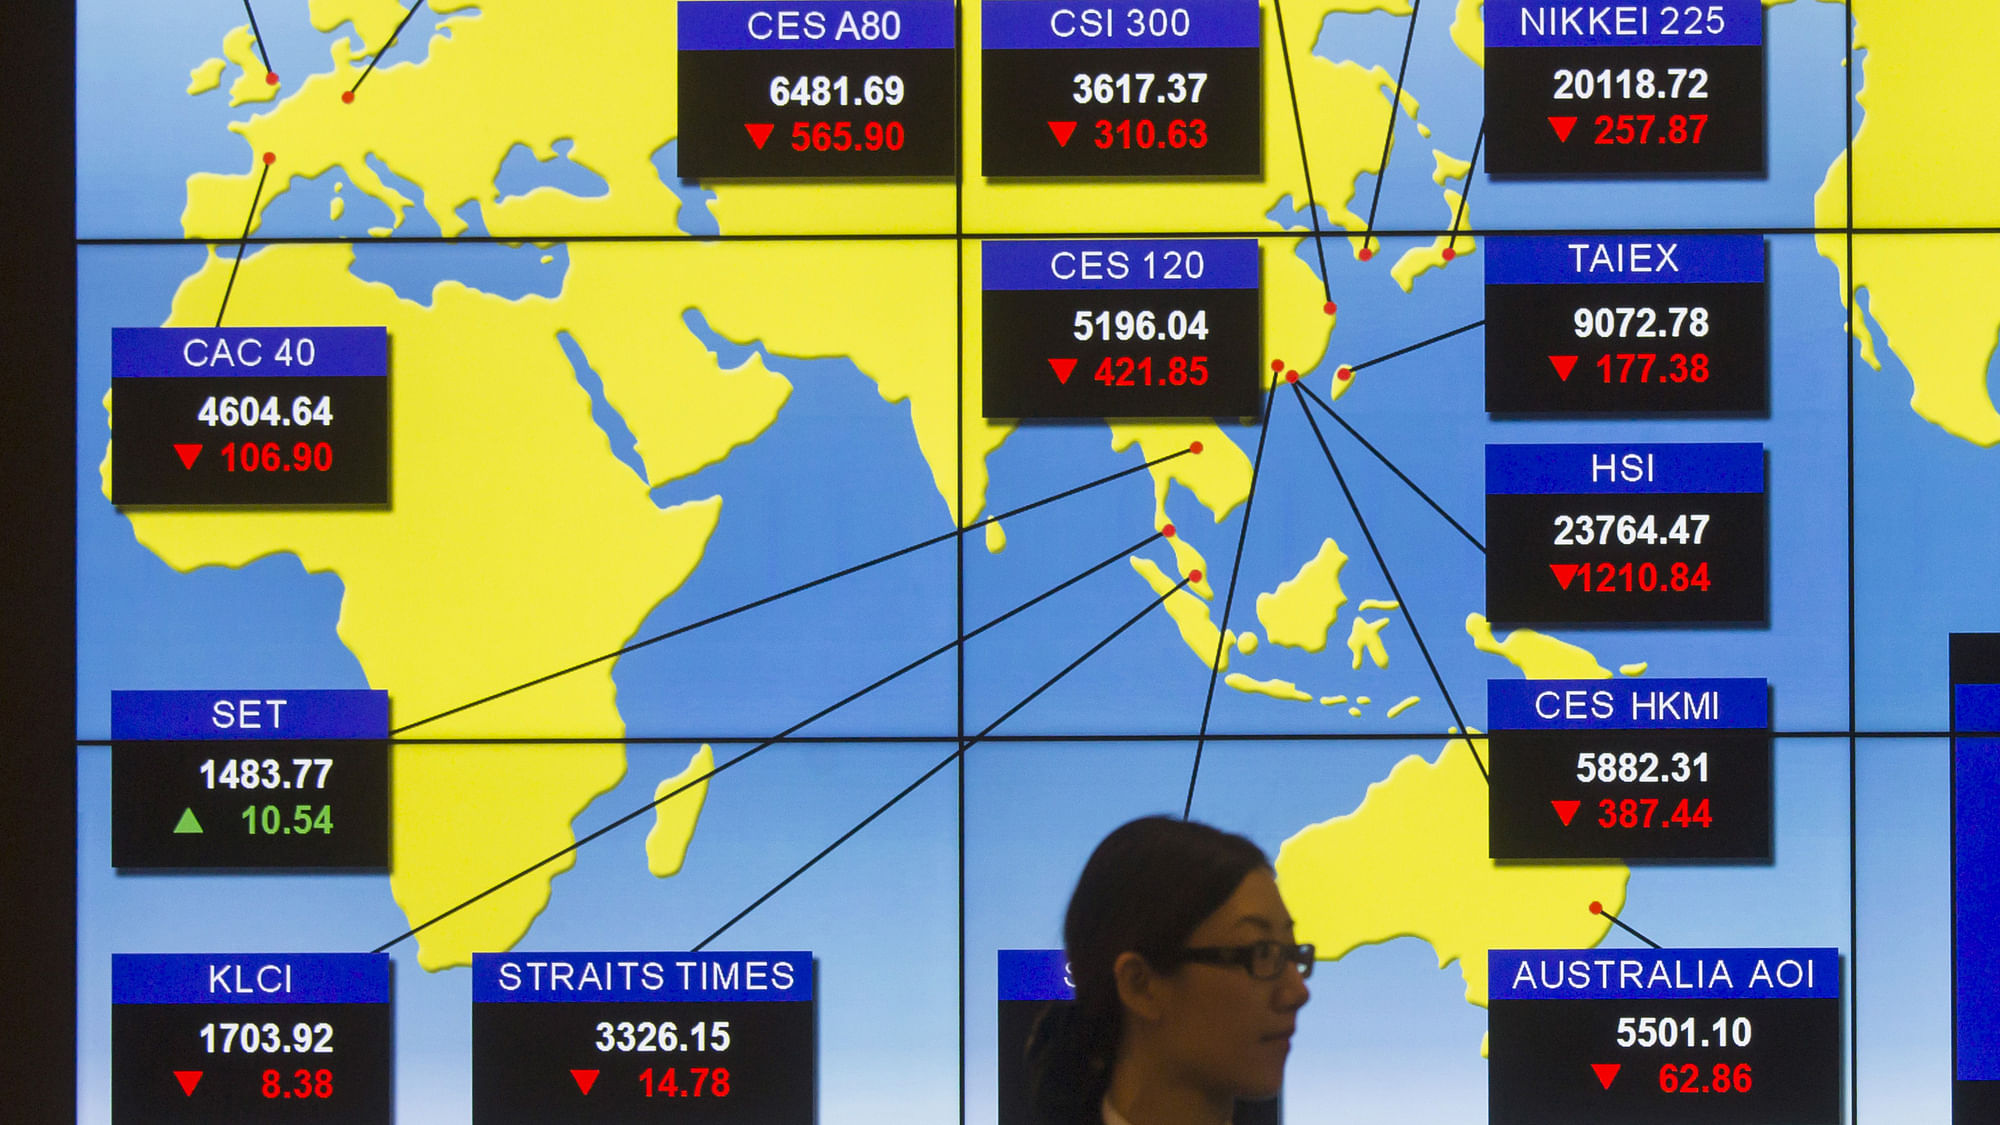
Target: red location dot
column 1597, row 908
column 271, row 78
column 1168, row 531
column 1194, row 447
column 1344, row 374
column 1291, row 376
column 1448, row 254
column 1194, row 576
column 1330, row 308
column 347, row 96
column 1366, row 253
column 1277, row 365
column 270, row 158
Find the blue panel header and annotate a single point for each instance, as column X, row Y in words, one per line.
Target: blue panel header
column 584, row 978
column 249, row 713
column 191, row 352
column 1153, row 263
column 1663, row 704
column 1043, row 25
column 1978, row 707
column 1657, row 974
column 1547, row 470
column 250, row 978
column 1976, row 856
column 1035, row 974
column 816, row 25
column 1601, row 260
column 1652, row 23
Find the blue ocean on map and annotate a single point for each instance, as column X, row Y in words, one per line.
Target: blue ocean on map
column 839, row 480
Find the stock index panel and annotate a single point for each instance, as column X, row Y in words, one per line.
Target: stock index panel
column 626, row 555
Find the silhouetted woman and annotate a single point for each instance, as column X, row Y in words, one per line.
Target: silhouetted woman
column 1188, row 983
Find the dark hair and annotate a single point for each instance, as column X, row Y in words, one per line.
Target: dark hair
column 1145, row 889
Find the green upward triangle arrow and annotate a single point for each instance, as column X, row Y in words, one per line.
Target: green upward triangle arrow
column 188, row 825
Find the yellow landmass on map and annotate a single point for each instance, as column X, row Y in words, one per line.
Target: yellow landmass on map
column 1276, row 689
column 674, row 817
column 1246, row 642
column 532, row 562
column 1365, row 636
column 1538, row 655
column 1218, row 476
column 855, row 299
column 514, row 544
column 1936, row 298
column 1638, row 669
column 587, row 64
column 1190, row 616
column 240, row 47
column 1403, row 705
column 409, row 116
column 1468, row 30
column 1410, row 861
column 412, row 115
column 1190, row 562
column 1419, row 260
column 206, row 76
column 1303, row 607
column 373, row 20
column 515, row 541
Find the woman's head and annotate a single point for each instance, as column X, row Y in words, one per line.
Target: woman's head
column 1159, row 912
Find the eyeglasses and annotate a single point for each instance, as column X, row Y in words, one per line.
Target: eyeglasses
column 1263, row 960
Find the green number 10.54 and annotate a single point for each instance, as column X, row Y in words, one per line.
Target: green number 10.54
column 270, row 820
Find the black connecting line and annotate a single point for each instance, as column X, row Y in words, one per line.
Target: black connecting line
column 257, row 33
column 761, row 747
column 1389, row 139
column 1598, row 908
column 349, row 96
column 243, row 242
column 1471, row 166
column 1391, row 465
column 1229, row 600
column 1420, row 344
column 1383, row 563
column 786, row 593
column 954, row 756
column 1312, row 203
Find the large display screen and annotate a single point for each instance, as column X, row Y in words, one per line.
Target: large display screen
column 626, row 554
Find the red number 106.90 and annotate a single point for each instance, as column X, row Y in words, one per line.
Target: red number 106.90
column 252, row 457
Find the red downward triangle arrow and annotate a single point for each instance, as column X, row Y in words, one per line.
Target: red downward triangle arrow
column 1562, row 126
column 1606, row 1072
column 1062, row 130
column 1564, row 364
column 1565, row 572
column 1063, row 367
column 761, row 133
column 189, row 1080
column 585, row 1079
column 1566, row 810
column 188, row 454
